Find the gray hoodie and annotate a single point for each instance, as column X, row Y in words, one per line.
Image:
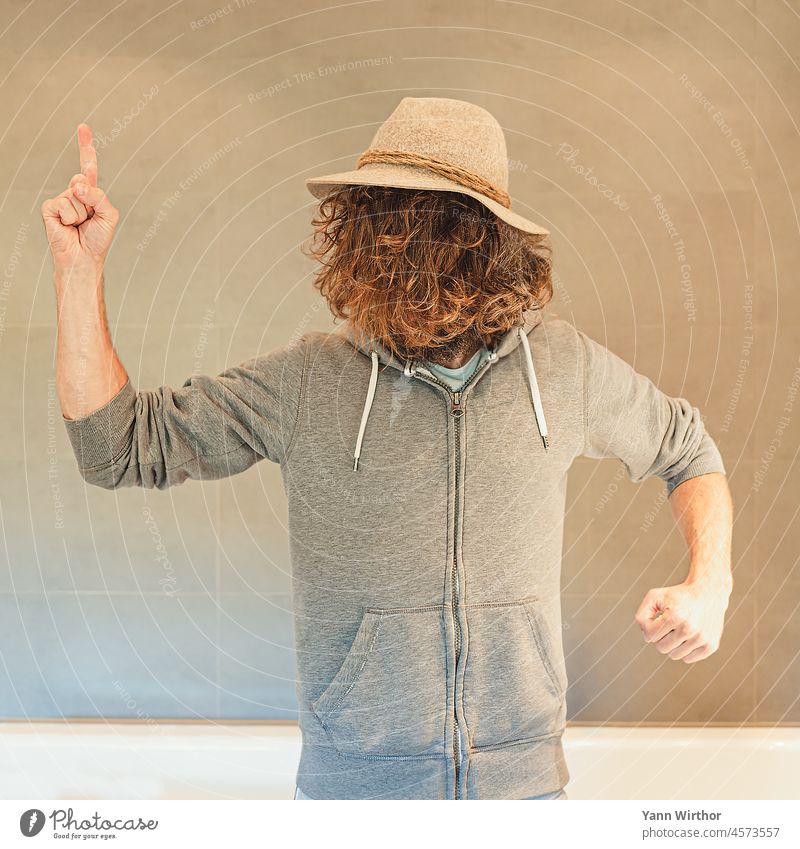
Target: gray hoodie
column 425, row 534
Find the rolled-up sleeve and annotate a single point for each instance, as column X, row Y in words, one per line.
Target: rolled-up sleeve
column 208, row 428
column 626, row 416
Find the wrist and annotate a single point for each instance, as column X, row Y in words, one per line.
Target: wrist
column 78, row 279
column 705, row 576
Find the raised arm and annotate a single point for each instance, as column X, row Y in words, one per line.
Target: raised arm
column 80, row 224
column 210, row 427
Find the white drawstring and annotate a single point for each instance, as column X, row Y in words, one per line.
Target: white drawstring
column 537, row 400
column 373, row 380
column 409, row 371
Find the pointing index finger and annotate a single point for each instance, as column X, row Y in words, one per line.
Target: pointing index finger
column 87, row 153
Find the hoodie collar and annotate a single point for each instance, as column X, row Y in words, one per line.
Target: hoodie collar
column 507, row 343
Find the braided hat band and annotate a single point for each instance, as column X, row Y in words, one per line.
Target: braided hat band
column 440, row 144
column 440, row 166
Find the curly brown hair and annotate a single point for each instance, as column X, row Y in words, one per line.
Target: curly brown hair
column 426, row 273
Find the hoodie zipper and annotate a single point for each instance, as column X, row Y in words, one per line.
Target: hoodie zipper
column 457, row 412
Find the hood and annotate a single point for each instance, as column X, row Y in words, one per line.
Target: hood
column 508, row 342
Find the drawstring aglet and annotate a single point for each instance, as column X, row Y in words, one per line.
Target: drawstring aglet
column 534, row 387
column 373, row 380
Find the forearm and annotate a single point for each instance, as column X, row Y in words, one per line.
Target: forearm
column 703, row 510
column 88, row 371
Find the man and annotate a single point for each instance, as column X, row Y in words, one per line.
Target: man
column 424, row 453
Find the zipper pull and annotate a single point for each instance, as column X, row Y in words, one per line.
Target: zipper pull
column 456, row 410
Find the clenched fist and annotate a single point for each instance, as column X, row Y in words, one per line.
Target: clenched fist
column 684, row 621
column 80, row 222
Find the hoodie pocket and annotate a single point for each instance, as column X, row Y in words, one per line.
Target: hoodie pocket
column 514, row 679
column 389, row 696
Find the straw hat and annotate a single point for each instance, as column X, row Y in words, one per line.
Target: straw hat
column 441, row 144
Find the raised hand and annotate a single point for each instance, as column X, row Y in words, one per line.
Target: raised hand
column 80, row 222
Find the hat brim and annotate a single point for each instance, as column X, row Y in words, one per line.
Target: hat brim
column 414, row 177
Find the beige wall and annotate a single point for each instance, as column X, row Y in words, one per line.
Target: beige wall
column 177, row 603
